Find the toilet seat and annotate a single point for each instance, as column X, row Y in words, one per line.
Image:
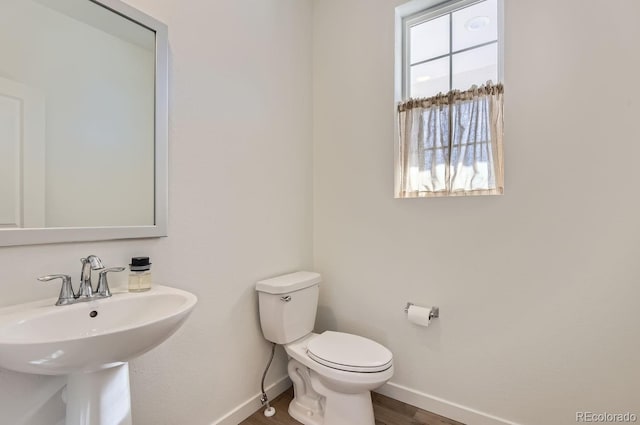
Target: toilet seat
column 350, row 353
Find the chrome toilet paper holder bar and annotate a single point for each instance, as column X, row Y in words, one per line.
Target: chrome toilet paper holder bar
column 433, row 314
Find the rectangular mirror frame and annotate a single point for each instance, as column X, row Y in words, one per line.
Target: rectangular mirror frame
column 14, row 237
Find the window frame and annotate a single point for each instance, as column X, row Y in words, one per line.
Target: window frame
column 411, row 13
column 436, row 11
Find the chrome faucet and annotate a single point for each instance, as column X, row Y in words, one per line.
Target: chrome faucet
column 85, row 291
column 88, row 264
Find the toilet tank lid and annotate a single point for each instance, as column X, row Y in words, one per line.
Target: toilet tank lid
column 288, row 282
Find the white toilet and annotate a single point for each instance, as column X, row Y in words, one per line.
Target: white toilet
column 333, row 372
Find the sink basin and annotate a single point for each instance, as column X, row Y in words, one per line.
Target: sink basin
column 46, row 339
column 91, row 343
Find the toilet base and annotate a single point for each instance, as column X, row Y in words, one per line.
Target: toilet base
column 307, row 405
column 315, row 404
column 304, row 416
column 345, row 409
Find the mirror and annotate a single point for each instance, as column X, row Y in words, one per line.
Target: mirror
column 83, row 122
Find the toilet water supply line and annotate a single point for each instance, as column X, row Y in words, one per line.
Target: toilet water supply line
column 269, row 411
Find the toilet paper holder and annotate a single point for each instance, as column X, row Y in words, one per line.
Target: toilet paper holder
column 433, row 314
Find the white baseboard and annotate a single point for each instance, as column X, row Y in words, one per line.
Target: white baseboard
column 407, row 395
column 440, row 406
column 249, row 407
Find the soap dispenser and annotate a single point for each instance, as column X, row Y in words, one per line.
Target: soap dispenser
column 140, row 276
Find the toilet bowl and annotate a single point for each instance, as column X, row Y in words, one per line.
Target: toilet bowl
column 333, row 373
column 326, row 393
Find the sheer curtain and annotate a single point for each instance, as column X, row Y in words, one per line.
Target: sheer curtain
column 451, row 144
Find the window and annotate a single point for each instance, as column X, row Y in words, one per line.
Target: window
column 451, row 48
column 450, row 109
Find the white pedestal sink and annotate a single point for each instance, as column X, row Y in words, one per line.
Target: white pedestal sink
column 91, row 343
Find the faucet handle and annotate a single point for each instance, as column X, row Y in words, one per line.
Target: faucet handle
column 66, row 291
column 103, row 284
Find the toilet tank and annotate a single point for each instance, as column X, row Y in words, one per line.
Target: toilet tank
column 288, row 306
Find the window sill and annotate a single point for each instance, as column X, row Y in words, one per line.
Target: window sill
column 443, row 194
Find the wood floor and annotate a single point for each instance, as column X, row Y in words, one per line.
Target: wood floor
column 387, row 412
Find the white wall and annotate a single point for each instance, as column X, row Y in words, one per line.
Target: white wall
column 240, row 210
column 538, row 288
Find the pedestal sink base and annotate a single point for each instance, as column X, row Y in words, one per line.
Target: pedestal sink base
column 99, row 398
